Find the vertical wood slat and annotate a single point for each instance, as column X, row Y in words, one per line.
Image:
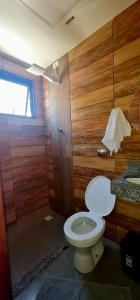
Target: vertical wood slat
column 49, row 146
column 60, row 143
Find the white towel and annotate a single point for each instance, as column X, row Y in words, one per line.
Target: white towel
column 117, row 128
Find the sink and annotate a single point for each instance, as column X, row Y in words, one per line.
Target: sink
column 127, row 185
column 134, row 180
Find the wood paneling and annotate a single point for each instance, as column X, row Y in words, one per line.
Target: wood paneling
column 92, row 125
column 129, row 209
column 60, row 142
column 23, row 155
column 85, row 49
column 5, row 293
column 105, row 73
column 94, row 163
column 126, row 41
column 91, row 91
column 91, row 78
column 49, row 147
column 126, row 26
column 91, row 98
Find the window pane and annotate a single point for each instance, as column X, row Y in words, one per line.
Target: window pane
column 15, row 99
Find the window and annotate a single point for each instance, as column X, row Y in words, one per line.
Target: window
column 16, row 95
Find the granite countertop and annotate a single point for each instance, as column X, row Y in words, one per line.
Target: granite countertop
column 125, row 189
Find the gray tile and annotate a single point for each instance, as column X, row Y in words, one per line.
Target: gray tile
column 30, row 241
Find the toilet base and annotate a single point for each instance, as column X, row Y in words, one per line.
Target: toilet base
column 85, row 259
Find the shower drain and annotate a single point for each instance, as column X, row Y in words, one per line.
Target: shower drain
column 48, row 218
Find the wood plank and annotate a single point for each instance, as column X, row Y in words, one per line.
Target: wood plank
column 91, row 70
column 92, row 125
column 30, row 171
column 97, row 162
column 91, row 98
column 128, row 223
column 127, row 52
column 126, row 26
column 27, row 151
column 121, row 71
column 86, row 136
column 78, row 193
column 121, row 232
column 26, row 130
column 85, row 172
column 5, row 287
column 19, row 141
column 114, row 232
column 93, row 77
column 95, row 54
column 126, row 87
column 59, row 102
column 128, row 208
column 124, row 102
column 22, row 162
column 22, row 210
column 121, row 165
column 93, row 111
column 26, row 185
column 95, row 39
column 129, row 154
column 7, row 191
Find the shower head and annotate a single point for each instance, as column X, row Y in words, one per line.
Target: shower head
column 39, row 71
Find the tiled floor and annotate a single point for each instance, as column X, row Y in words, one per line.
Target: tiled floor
column 29, row 242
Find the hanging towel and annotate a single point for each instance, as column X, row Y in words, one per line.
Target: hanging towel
column 117, row 128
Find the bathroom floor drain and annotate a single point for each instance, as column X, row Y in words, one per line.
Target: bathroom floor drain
column 48, row 218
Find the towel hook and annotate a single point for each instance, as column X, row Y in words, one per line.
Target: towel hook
column 102, row 151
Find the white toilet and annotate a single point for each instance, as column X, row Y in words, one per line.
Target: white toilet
column 84, row 230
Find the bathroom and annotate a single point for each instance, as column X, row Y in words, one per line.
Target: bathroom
column 49, row 156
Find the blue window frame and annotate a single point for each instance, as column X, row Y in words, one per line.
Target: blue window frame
column 16, row 95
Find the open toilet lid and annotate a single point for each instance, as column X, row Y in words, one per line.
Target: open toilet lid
column 98, row 197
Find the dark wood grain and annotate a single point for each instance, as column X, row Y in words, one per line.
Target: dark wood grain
column 60, row 142
column 5, row 287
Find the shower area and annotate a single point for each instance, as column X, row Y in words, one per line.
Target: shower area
column 35, row 159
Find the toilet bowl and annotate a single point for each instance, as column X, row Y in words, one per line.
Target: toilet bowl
column 84, row 230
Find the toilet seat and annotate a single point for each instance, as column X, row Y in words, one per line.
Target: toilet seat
column 91, row 236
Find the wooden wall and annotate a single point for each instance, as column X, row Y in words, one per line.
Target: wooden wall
column 49, row 146
column 5, row 287
column 105, row 73
column 23, row 154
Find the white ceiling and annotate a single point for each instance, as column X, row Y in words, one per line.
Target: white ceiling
column 51, row 11
column 35, row 30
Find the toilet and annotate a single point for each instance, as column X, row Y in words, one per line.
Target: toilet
column 84, row 230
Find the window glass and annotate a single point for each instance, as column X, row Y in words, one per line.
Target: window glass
column 16, row 95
